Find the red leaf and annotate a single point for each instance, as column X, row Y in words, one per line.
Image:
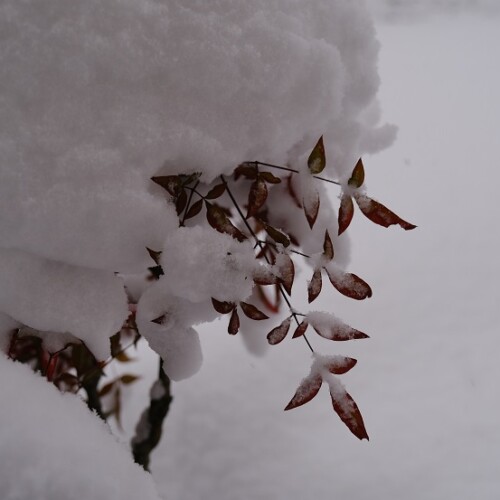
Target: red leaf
column 328, row 252
column 306, row 391
column 314, row 286
column 194, row 209
column 252, row 312
column 331, row 328
column 358, row 175
column 223, row 307
column 348, row 411
column 234, row 323
column 301, row 329
column 287, row 271
column 349, row 284
column 256, row 197
column 311, row 207
column 217, row 218
column 346, row 212
column 216, row 192
column 338, row 365
column 317, row 159
column 379, row 214
column 276, row 335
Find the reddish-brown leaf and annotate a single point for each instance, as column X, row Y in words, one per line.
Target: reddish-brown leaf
column 248, row 170
column 234, row 323
column 291, row 191
column 263, row 276
column 301, row 329
column 317, row 159
column 277, row 235
column 269, row 177
column 358, row 175
column 328, row 252
column 218, row 219
column 154, row 255
column 314, row 286
column 331, row 328
column 276, row 335
column 306, row 391
column 381, row 215
column 346, row 212
column 256, row 197
column 252, row 312
column 349, row 284
column 338, row 365
column 216, row 192
column 172, row 183
column 348, row 411
column 194, row 209
column 223, row 307
column 311, row 207
column 287, row 272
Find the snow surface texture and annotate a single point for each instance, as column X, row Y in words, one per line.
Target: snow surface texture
column 96, row 97
column 53, row 448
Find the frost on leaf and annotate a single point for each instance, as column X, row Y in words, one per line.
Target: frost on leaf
column 252, row 312
column 256, row 197
column 358, row 175
column 346, row 212
column 317, row 159
column 306, row 391
column 330, row 327
column 314, row 286
column 379, row 214
column 311, row 204
column 347, row 409
column 301, row 329
column 348, row 284
column 276, row 335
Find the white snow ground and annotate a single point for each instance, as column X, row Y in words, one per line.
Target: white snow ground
column 427, row 380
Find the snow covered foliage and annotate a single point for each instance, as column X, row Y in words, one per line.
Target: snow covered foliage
column 53, row 448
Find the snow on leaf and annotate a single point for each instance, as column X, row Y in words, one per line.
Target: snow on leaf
column 194, row 209
column 306, row 391
column 300, row 330
column 349, row 284
column 338, row 365
column 256, row 197
column 346, row 408
column 252, row 312
column 247, row 170
column 346, row 212
column 277, row 235
column 172, row 183
column 216, row 192
column 276, row 335
column 262, row 275
column 154, row 255
column 379, row 214
column 159, row 320
column 317, row 160
column 314, row 286
column 234, row 323
column 311, row 207
column 358, row 175
column 328, row 252
column 223, row 307
column 286, row 270
column 269, row 177
column 218, row 219
column 330, row 327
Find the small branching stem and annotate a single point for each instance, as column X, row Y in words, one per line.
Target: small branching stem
column 293, row 170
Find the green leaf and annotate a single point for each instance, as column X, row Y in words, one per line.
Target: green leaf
column 358, row 175
column 317, row 159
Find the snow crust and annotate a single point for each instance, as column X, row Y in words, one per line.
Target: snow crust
column 53, row 448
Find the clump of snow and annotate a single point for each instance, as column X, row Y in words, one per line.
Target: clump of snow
column 8, row 326
column 53, row 448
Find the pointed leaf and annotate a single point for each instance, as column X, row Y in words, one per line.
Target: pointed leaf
column 154, row 255
column 348, row 411
column 277, row 235
column 256, row 197
column 248, row 170
column 306, row 391
column 128, row 378
column 338, row 365
column 234, row 323
column 287, row 271
column 216, row 192
column 223, row 307
column 330, row 327
column 301, row 329
column 194, row 209
column 311, row 207
column 349, row 284
column 276, row 335
column 106, row 389
column 252, row 312
column 172, row 183
column 123, row 358
column 269, row 177
column 314, row 286
column 358, row 175
column 328, row 252
column 181, row 201
column 159, row 320
column 346, row 212
column 264, row 276
column 317, row 159
column 381, row 215
column 218, row 219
